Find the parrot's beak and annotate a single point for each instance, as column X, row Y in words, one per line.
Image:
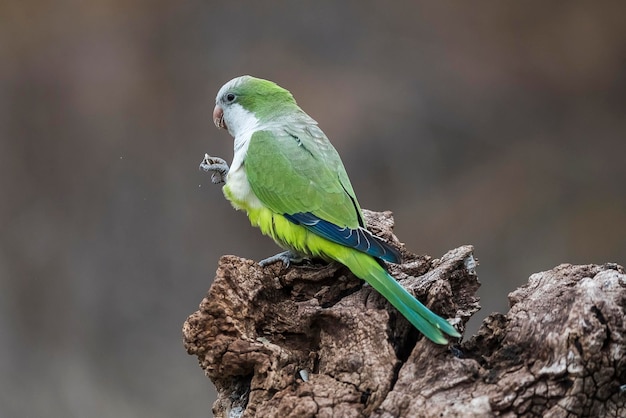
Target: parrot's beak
column 218, row 117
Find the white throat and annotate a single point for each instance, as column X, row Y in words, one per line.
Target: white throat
column 239, row 120
column 241, row 125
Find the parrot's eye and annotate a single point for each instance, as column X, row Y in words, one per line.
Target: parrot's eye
column 230, row 97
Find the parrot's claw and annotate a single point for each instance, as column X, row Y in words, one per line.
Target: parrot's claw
column 218, row 166
column 286, row 257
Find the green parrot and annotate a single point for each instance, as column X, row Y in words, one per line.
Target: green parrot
column 291, row 182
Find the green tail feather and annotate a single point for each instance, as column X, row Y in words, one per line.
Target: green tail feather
column 427, row 322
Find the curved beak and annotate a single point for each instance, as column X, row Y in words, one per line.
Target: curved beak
column 218, row 117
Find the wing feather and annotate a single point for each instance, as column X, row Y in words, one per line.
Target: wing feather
column 299, row 174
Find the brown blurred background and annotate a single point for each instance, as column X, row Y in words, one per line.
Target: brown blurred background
column 500, row 125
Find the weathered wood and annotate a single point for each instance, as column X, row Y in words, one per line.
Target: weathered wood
column 314, row 341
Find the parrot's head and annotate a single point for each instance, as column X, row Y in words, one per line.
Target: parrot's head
column 244, row 102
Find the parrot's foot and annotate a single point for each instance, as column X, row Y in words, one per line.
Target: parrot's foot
column 286, row 257
column 218, row 166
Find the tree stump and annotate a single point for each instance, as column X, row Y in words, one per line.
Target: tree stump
column 314, row 341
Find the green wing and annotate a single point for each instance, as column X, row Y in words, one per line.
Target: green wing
column 299, row 171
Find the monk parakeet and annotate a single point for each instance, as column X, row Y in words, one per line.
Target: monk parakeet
column 291, row 182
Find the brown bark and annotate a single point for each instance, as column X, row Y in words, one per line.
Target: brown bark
column 314, row 341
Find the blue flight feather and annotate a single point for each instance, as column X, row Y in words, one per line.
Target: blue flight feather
column 360, row 239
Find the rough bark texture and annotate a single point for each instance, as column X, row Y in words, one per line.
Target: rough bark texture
column 314, row 341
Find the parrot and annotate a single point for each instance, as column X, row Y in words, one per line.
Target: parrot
column 290, row 180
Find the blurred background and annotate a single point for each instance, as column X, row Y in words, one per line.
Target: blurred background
column 500, row 125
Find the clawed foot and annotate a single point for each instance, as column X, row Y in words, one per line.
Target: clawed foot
column 218, row 166
column 286, row 257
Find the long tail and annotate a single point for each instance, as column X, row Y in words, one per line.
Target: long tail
column 428, row 323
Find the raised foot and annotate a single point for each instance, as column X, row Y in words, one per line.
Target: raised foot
column 217, row 166
column 286, row 257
